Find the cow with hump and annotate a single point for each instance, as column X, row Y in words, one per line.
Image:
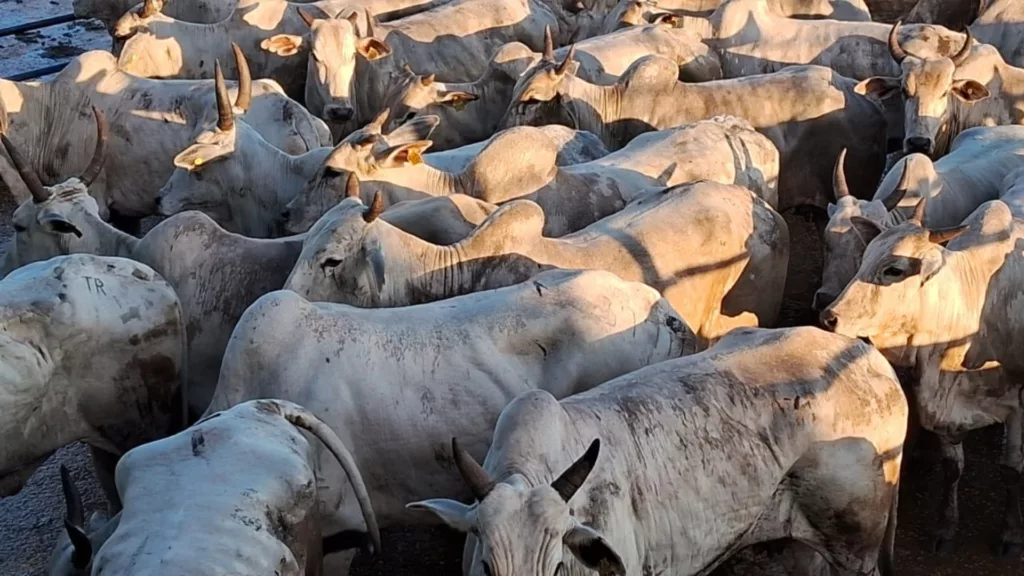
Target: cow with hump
column 951, row 312
column 771, row 434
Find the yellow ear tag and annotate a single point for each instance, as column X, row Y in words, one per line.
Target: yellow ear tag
column 133, row 58
column 371, row 53
column 459, row 104
column 415, row 157
column 197, row 162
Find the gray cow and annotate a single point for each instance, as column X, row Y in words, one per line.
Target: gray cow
column 772, row 434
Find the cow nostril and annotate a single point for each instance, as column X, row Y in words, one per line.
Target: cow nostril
column 828, row 319
column 918, row 144
column 286, row 214
column 822, row 300
column 337, row 113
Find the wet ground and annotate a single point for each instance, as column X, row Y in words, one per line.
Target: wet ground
column 31, row 521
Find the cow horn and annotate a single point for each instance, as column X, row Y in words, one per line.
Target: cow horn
column 897, row 51
column 549, row 45
column 306, row 17
column 74, row 521
column 570, row 481
column 244, row 98
column 918, row 216
column 943, row 235
column 893, row 199
column 568, row 59
column 225, row 116
column 39, row 192
column 375, row 209
column 369, row 24
column 479, row 481
column 377, row 124
column 99, row 154
column 839, row 185
column 427, row 80
column 352, row 186
column 151, row 8
column 961, row 56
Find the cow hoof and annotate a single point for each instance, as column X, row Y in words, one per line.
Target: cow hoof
column 943, row 545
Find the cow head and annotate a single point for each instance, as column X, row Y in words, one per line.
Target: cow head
column 853, row 223
column 141, row 50
column 207, row 172
column 523, row 529
column 885, row 297
column 363, row 153
column 931, row 92
column 335, row 46
column 60, row 219
column 412, row 95
column 538, row 97
column 342, row 254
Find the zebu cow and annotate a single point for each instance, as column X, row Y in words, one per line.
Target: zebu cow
column 734, row 279
column 751, row 39
column 772, row 434
column 350, row 72
column 150, row 121
column 808, row 112
column 470, row 111
column 951, row 314
column 236, row 493
column 110, row 11
column 971, row 174
column 395, row 382
column 91, row 349
column 1001, row 24
column 215, row 274
column 944, row 96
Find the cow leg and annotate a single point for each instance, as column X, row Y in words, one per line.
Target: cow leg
column 1012, row 537
column 104, row 463
column 949, row 515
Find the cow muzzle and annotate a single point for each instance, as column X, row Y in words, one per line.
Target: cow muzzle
column 918, row 145
column 828, row 319
column 338, row 113
column 822, row 300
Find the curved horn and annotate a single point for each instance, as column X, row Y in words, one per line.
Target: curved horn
column 39, row 192
column 369, row 24
column 918, row 216
column 568, row 59
column 570, row 481
column 306, row 17
column 479, row 481
column 99, row 154
column 151, row 8
column 943, row 235
column 244, row 98
column 893, row 199
column 306, row 420
column 225, row 116
column 961, row 56
column 377, row 124
column 74, row 521
column 375, row 209
column 427, row 80
column 549, row 45
column 839, row 185
column 352, row 186
column 897, row 51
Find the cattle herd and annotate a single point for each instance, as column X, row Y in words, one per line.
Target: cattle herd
column 515, row 267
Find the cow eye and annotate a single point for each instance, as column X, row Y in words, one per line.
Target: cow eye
column 892, row 272
column 330, row 264
column 331, row 172
column 19, row 228
column 487, row 569
column 409, row 116
column 560, row 569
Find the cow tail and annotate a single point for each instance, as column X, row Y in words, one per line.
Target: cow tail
column 887, row 555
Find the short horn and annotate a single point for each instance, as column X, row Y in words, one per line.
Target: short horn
column 570, row 481
column 564, row 66
column 375, row 209
column 244, row 98
column 39, row 192
column 549, row 45
column 896, row 196
column 151, row 8
column 352, row 186
column 897, row 51
column 961, row 56
column 476, row 478
column 225, row 116
column 99, row 153
column 377, row 124
column 369, row 24
column 943, row 235
column 918, row 216
column 428, row 79
column 839, row 185
column 306, row 17
column 74, row 521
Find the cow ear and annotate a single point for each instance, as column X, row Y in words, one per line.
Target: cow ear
column 283, row 44
column 667, row 18
column 372, row 49
column 401, row 155
column 457, row 100
column 866, row 229
column 878, row 87
column 831, row 210
column 374, row 253
column 970, row 90
column 931, row 263
column 593, row 550
column 56, row 223
column 196, row 156
column 455, row 514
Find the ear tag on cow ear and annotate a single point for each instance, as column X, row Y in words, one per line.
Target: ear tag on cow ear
column 414, row 157
column 371, row 53
column 197, row 161
column 459, row 104
column 133, row 58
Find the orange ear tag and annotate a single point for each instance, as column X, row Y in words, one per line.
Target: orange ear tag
column 415, row 157
column 459, row 104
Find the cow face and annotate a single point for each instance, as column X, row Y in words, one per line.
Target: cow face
column 523, row 529
column 335, row 45
column 412, row 96
column 538, row 97
column 884, row 299
column 342, row 258
column 206, row 174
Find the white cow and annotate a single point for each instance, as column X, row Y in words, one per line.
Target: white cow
column 771, row 434
column 395, row 382
column 91, row 349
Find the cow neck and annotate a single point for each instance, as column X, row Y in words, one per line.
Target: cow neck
column 434, row 272
column 594, row 108
column 424, row 179
column 699, row 25
column 282, row 174
column 370, row 82
column 113, row 242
